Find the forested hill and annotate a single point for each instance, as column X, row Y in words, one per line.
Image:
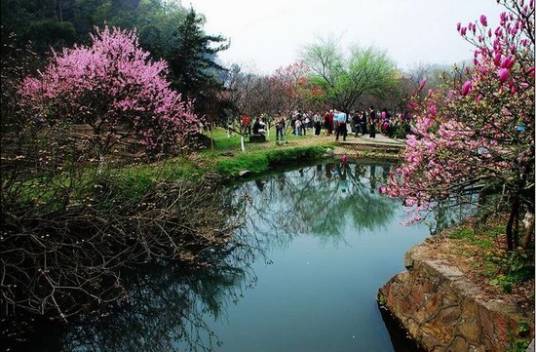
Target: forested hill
column 58, row 23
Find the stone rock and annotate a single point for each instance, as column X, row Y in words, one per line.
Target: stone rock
column 444, row 311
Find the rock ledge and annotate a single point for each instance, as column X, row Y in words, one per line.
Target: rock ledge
column 443, row 310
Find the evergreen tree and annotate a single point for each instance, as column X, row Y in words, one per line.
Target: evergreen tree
column 194, row 71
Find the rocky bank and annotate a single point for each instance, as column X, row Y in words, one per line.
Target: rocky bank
column 445, row 308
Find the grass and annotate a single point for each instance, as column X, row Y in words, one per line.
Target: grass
column 224, row 142
column 138, row 179
column 226, row 158
column 502, row 269
column 482, row 239
column 260, row 161
column 223, row 157
column 131, row 182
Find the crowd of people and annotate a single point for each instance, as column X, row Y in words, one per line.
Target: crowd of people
column 332, row 122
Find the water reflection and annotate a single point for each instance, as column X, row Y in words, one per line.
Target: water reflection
column 451, row 211
column 166, row 309
column 318, row 200
column 170, row 309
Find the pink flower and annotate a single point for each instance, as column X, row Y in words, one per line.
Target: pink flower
column 503, row 74
column 432, row 110
column 503, row 17
column 422, row 83
column 113, row 69
column 463, row 143
column 497, row 59
column 467, row 86
column 507, row 62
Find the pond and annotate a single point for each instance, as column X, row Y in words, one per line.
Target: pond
column 316, row 244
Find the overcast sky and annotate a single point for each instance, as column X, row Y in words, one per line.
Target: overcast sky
column 268, row 34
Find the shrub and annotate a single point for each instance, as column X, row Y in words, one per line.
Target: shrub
column 109, row 85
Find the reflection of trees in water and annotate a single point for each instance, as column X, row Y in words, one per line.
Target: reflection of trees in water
column 451, row 211
column 318, row 200
column 167, row 307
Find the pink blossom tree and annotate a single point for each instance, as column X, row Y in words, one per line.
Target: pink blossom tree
column 479, row 133
column 294, row 87
column 286, row 89
column 111, row 84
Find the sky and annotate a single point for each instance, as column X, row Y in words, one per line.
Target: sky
column 266, row 35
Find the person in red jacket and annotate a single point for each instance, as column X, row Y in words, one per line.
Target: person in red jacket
column 245, row 124
column 328, row 121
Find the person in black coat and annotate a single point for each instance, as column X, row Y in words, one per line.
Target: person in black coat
column 372, row 121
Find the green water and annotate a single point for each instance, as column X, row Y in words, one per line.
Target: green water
column 302, row 275
column 330, row 242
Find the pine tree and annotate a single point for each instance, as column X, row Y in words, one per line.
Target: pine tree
column 194, row 71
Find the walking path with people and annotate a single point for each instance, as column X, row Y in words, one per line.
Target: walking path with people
column 360, row 146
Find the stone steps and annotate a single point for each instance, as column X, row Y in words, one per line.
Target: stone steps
column 393, row 148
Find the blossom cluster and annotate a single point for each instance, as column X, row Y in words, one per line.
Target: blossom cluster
column 480, row 131
column 108, row 84
column 292, row 82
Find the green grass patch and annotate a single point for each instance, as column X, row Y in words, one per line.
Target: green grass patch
column 225, row 142
column 503, row 269
column 482, row 239
column 511, row 268
column 462, row 233
column 253, row 162
column 90, row 183
column 257, row 162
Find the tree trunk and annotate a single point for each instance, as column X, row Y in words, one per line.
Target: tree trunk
column 512, row 226
column 211, row 137
column 528, row 222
